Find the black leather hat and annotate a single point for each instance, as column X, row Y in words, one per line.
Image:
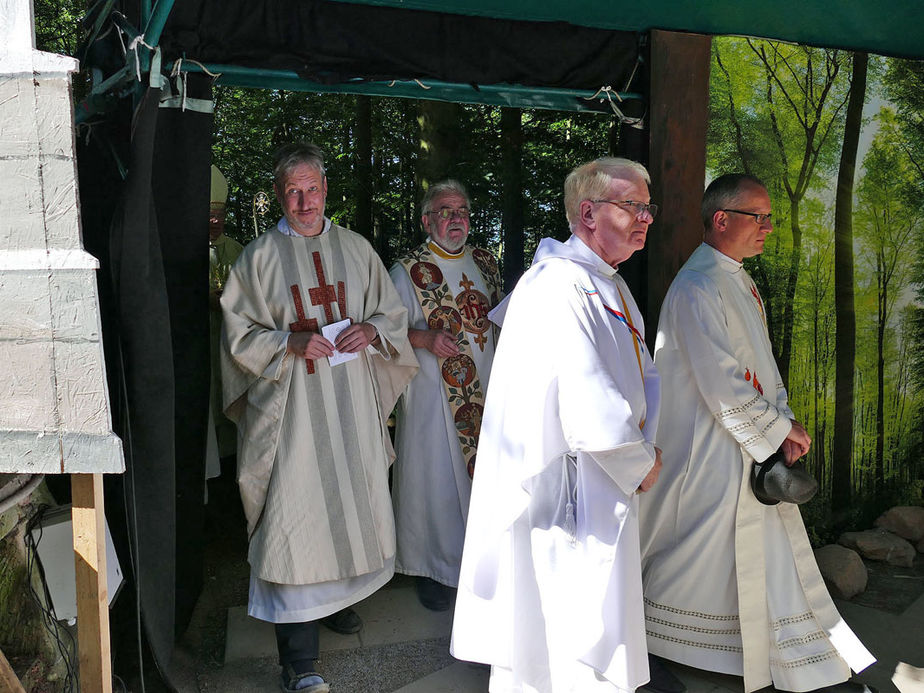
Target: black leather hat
column 772, row 481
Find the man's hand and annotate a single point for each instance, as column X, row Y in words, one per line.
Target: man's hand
column 437, row 342
column 652, row 477
column 309, row 345
column 356, row 338
column 797, row 443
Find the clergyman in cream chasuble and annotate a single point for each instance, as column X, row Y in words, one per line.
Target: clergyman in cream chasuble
column 314, row 449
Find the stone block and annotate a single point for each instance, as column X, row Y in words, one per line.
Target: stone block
column 907, row 521
column 879, row 545
column 22, row 221
column 27, row 386
column 81, row 397
column 59, row 194
column 842, row 569
column 18, row 130
column 26, row 308
column 54, row 117
column 74, row 304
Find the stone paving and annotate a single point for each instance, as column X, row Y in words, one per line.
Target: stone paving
column 403, row 648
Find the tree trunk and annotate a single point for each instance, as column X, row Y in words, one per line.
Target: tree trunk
column 362, row 178
column 882, row 318
column 440, row 141
column 512, row 205
column 845, row 334
column 785, row 356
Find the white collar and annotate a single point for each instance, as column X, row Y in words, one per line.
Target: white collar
column 730, row 263
column 283, row 227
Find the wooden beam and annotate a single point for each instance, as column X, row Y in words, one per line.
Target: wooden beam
column 678, row 117
column 8, row 679
column 92, row 593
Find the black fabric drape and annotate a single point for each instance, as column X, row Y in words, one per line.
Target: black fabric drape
column 150, row 233
column 181, row 198
column 332, row 42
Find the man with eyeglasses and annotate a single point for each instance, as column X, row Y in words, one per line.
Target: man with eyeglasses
column 315, row 353
column 550, row 591
column 448, row 287
column 731, row 585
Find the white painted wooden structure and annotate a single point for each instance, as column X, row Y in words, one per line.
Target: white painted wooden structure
column 54, row 407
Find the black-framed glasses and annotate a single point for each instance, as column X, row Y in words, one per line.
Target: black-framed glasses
column 449, row 213
column 637, row 208
column 759, row 218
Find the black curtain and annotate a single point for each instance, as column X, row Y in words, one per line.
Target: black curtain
column 150, row 233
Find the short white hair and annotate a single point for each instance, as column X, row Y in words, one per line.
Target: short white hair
column 591, row 181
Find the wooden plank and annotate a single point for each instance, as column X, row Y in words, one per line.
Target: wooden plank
column 92, row 593
column 678, row 117
column 8, row 679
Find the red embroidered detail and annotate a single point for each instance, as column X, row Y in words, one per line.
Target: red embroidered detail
column 302, row 324
column 326, row 294
column 426, row 275
column 747, row 375
column 757, row 385
column 474, row 307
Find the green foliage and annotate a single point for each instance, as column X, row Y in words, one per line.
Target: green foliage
column 768, row 117
column 251, row 124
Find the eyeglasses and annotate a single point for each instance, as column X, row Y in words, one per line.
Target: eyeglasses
column 759, row 218
column 449, row 213
column 638, row 208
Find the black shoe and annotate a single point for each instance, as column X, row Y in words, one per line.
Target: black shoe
column 346, row 622
column 305, row 682
column 432, row 594
column 662, row 679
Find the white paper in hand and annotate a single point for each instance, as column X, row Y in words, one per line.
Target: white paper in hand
column 330, row 333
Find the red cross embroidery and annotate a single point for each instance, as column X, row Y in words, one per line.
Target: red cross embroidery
column 326, row 294
column 302, row 324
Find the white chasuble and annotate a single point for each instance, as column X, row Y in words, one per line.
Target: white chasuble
column 436, row 439
column 313, row 450
column 550, row 584
column 731, row 585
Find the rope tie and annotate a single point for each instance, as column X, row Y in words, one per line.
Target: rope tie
column 610, row 94
column 183, row 75
column 133, row 46
column 419, row 83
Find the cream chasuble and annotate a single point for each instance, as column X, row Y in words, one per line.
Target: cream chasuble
column 550, row 585
column 314, row 450
column 731, row 585
column 440, row 415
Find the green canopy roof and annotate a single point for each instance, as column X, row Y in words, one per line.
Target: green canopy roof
column 895, row 27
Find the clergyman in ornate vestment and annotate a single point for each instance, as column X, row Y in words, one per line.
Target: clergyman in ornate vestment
column 448, row 288
column 731, row 585
column 550, row 590
column 314, row 450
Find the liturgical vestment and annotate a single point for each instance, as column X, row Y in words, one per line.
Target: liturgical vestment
column 731, row 585
column 550, row 585
column 314, row 449
column 436, row 441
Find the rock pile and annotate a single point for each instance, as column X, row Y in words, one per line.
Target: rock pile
column 897, row 536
